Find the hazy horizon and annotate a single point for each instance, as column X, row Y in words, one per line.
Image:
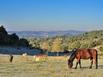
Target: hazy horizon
column 51, row 15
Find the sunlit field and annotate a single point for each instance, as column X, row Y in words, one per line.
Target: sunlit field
column 51, row 67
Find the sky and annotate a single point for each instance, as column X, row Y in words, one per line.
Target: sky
column 51, row 15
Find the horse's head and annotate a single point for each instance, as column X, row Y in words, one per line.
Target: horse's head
column 72, row 57
column 70, row 64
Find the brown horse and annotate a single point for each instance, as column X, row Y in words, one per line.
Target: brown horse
column 83, row 54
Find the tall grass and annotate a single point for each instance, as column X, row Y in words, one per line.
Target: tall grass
column 53, row 67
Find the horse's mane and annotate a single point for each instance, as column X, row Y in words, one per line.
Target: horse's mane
column 73, row 55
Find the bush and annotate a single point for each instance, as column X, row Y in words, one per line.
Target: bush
column 101, row 49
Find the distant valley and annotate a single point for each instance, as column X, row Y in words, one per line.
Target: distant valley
column 26, row 34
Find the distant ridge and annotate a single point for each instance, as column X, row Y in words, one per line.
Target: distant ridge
column 26, row 34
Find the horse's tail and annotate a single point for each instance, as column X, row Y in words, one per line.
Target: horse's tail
column 96, row 59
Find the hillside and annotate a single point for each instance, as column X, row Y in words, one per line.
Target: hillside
column 90, row 39
column 13, row 44
column 12, row 39
column 57, row 41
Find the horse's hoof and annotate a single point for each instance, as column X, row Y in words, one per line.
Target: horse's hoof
column 96, row 68
column 80, row 67
column 90, row 67
column 75, row 68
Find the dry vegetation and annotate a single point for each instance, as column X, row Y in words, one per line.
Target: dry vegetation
column 52, row 67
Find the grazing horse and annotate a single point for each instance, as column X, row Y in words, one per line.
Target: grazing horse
column 83, row 54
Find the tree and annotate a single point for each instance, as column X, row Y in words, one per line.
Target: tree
column 23, row 42
column 56, row 46
column 45, row 45
column 3, row 30
column 64, row 46
column 73, row 45
column 13, row 39
column 3, row 35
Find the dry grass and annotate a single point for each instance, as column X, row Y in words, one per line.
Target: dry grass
column 53, row 67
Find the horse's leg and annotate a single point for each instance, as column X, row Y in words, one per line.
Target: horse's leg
column 91, row 63
column 76, row 65
column 80, row 63
column 96, row 64
column 96, row 61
